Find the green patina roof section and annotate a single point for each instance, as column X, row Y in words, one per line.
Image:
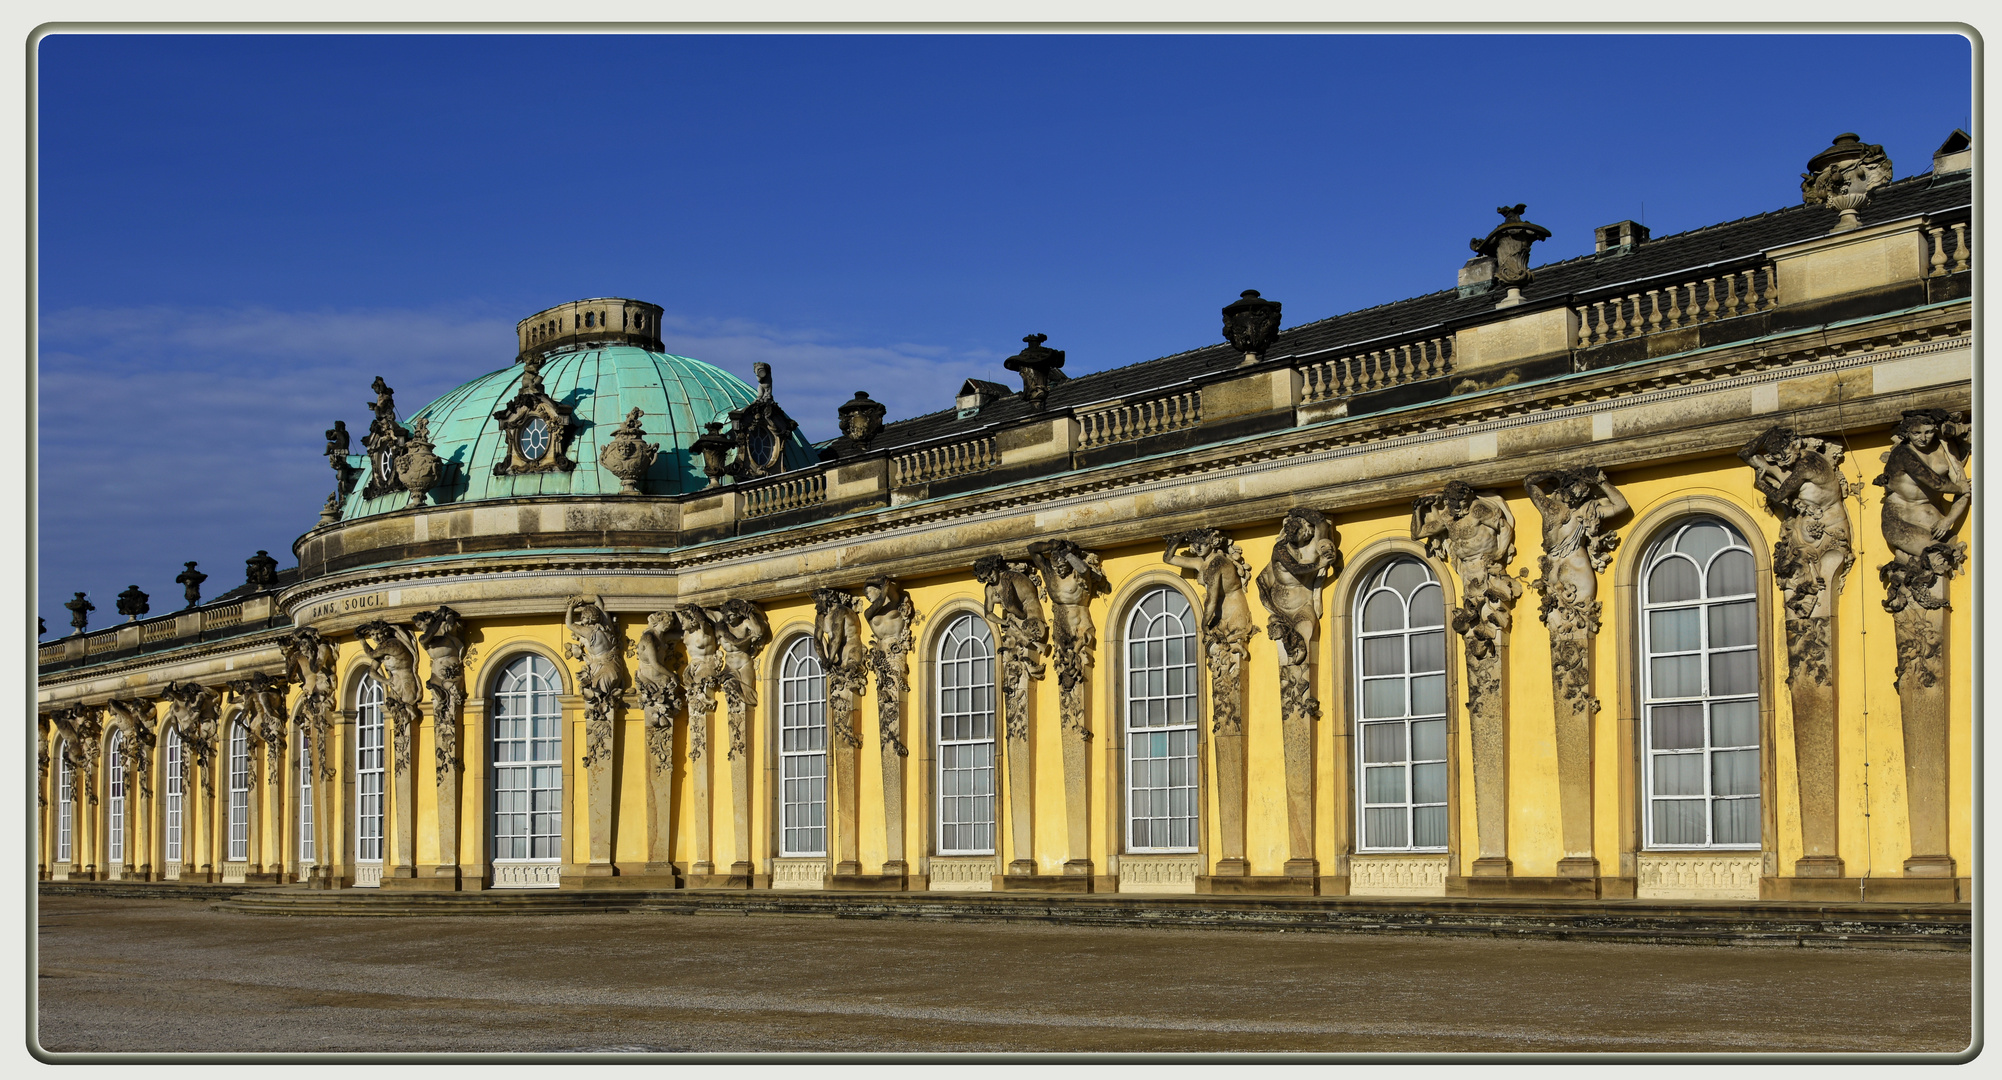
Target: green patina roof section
column 676, row 395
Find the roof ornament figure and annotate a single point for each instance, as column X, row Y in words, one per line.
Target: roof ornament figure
column 759, row 431
column 191, row 581
column 1508, row 245
column 536, row 429
column 80, row 609
column 417, row 467
column 1251, row 325
column 715, row 447
column 1040, row 368
column 337, row 457
column 1843, row 176
column 261, row 570
column 132, row 603
column 384, row 440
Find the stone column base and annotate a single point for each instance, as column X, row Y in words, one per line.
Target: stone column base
column 1306, row 868
column 1818, row 866
column 717, row 881
column 1578, row 867
column 1078, row 868
column 1022, row 868
column 1884, row 890
column 1494, row 866
column 1526, row 888
column 1929, row 866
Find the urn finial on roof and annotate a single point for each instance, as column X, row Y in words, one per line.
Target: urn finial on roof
column 1251, row 324
column 1040, row 368
column 1508, row 245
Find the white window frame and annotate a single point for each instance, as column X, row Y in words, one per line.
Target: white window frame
column 1405, row 736
column 65, row 806
column 114, row 800
column 1179, row 804
column 171, row 813
column 1660, row 551
column 239, row 793
column 305, row 799
column 802, row 752
column 370, row 777
column 965, row 800
column 526, row 753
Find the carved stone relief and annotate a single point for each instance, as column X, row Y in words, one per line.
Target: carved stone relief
column 392, row 653
column 439, row 632
column 628, row 456
column 600, row 653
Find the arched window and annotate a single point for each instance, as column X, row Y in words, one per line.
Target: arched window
column 966, row 738
column 1700, row 687
column 239, row 793
column 1161, row 719
column 65, row 804
column 114, row 789
column 172, row 810
column 305, row 798
column 368, row 770
column 802, row 752
column 528, row 763
column 1400, row 663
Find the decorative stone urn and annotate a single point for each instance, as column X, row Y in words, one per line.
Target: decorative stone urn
column 628, row 456
column 1843, row 176
column 1039, row 366
column 1251, row 325
column 416, row 466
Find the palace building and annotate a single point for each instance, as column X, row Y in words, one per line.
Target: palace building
column 1643, row 574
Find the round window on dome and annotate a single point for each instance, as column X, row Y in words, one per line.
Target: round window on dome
column 535, row 439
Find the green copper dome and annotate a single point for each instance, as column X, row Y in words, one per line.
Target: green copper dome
column 601, row 384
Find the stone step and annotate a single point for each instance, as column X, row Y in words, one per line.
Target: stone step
column 1772, row 923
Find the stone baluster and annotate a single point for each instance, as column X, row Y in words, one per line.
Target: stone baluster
column 1960, row 253
column 1619, row 319
column 1601, row 334
column 1938, row 235
column 1675, row 305
column 1584, row 327
column 1730, row 295
column 1710, row 303
column 1654, row 310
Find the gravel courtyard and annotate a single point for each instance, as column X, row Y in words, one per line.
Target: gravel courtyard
column 171, row 975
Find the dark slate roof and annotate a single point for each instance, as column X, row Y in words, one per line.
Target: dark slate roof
column 1657, row 257
column 286, row 577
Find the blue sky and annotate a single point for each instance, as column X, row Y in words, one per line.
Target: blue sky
column 237, row 233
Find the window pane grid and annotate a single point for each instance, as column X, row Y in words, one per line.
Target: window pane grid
column 1400, row 663
column 173, row 801
column 115, row 799
column 802, row 752
column 966, row 739
column 239, row 794
column 1161, row 719
column 65, row 808
column 368, row 771
column 1700, row 688
column 528, row 763
column 305, row 798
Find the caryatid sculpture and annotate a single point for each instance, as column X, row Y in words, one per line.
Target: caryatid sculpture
column 741, row 634
column 1304, row 559
column 438, row 631
column 262, row 701
column 1927, row 497
column 1475, row 532
column 840, row 648
column 310, row 662
column 659, row 686
column 702, row 675
column 135, row 716
column 194, row 712
column 1225, row 577
column 1578, row 545
column 392, row 653
column 890, row 613
column 1015, row 606
column 1801, row 478
column 1227, row 629
column 598, row 648
column 82, row 729
column 1071, row 577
